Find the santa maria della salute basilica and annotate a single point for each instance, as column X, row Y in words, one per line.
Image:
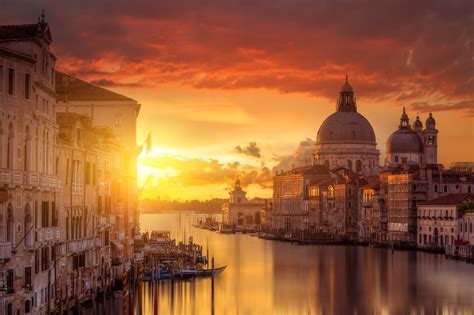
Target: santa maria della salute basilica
column 347, row 194
column 346, row 139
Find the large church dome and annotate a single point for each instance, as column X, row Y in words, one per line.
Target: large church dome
column 346, row 127
column 346, row 138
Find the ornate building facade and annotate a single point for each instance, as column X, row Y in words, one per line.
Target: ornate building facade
column 346, row 138
column 239, row 211
column 29, row 187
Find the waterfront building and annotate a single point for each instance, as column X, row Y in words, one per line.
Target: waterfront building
column 239, row 211
column 438, row 221
column 119, row 113
column 370, row 218
column 290, row 214
column 67, row 181
column 29, row 230
column 87, row 158
column 346, row 138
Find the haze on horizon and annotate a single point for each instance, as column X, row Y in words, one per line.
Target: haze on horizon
column 239, row 88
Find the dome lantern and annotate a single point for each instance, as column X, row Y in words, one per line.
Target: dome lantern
column 404, row 120
column 346, row 101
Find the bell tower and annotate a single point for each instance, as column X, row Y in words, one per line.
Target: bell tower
column 430, row 138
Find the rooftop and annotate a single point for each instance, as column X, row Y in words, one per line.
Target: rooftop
column 450, row 200
column 79, row 90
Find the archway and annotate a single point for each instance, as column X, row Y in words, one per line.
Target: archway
column 240, row 218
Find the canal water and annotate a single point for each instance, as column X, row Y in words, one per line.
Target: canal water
column 268, row 277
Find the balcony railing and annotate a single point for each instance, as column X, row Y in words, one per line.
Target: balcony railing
column 32, row 179
column 5, row 250
column 11, row 177
column 75, row 246
column 48, row 234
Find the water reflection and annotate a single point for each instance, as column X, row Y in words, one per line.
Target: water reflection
column 265, row 277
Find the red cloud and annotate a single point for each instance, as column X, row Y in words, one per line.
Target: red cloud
column 404, row 51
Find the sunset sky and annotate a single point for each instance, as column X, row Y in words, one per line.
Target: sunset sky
column 237, row 88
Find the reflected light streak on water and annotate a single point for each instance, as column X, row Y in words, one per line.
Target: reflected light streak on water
column 265, row 277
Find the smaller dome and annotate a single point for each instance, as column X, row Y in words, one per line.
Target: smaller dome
column 430, row 122
column 404, row 141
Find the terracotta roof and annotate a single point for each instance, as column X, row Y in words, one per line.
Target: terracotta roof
column 24, row 31
column 79, row 90
column 451, row 199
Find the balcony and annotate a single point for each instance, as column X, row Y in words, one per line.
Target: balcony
column 5, row 250
column 49, row 234
column 11, row 177
column 75, row 246
column 120, row 236
column 32, row 179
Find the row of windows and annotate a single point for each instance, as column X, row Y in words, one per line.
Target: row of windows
column 441, row 229
column 11, row 82
column 436, row 213
column 465, row 227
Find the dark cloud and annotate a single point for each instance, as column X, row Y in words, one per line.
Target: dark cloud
column 393, row 50
column 251, row 149
column 466, row 107
column 303, row 155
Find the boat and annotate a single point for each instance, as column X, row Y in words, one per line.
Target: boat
column 190, row 273
column 226, row 229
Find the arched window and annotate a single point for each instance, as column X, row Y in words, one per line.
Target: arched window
column 1, row 145
column 27, row 306
column 10, row 224
column 28, row 227
column 358, row 165
column 27, row 150
column 10, row 146
column 45, row 152
column 326, row 163
column 37, row 150
column 349, row 164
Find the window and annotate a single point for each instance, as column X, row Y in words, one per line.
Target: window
column 27, row 306
column 11, row 81
column 27, row 86
column 396, row 158
column 1, row 78
column 44, row 214
column 469, row 189
column 37, row 265
column 435, row 188
column 445, row 188
column 118, row 119
column 28, row 277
